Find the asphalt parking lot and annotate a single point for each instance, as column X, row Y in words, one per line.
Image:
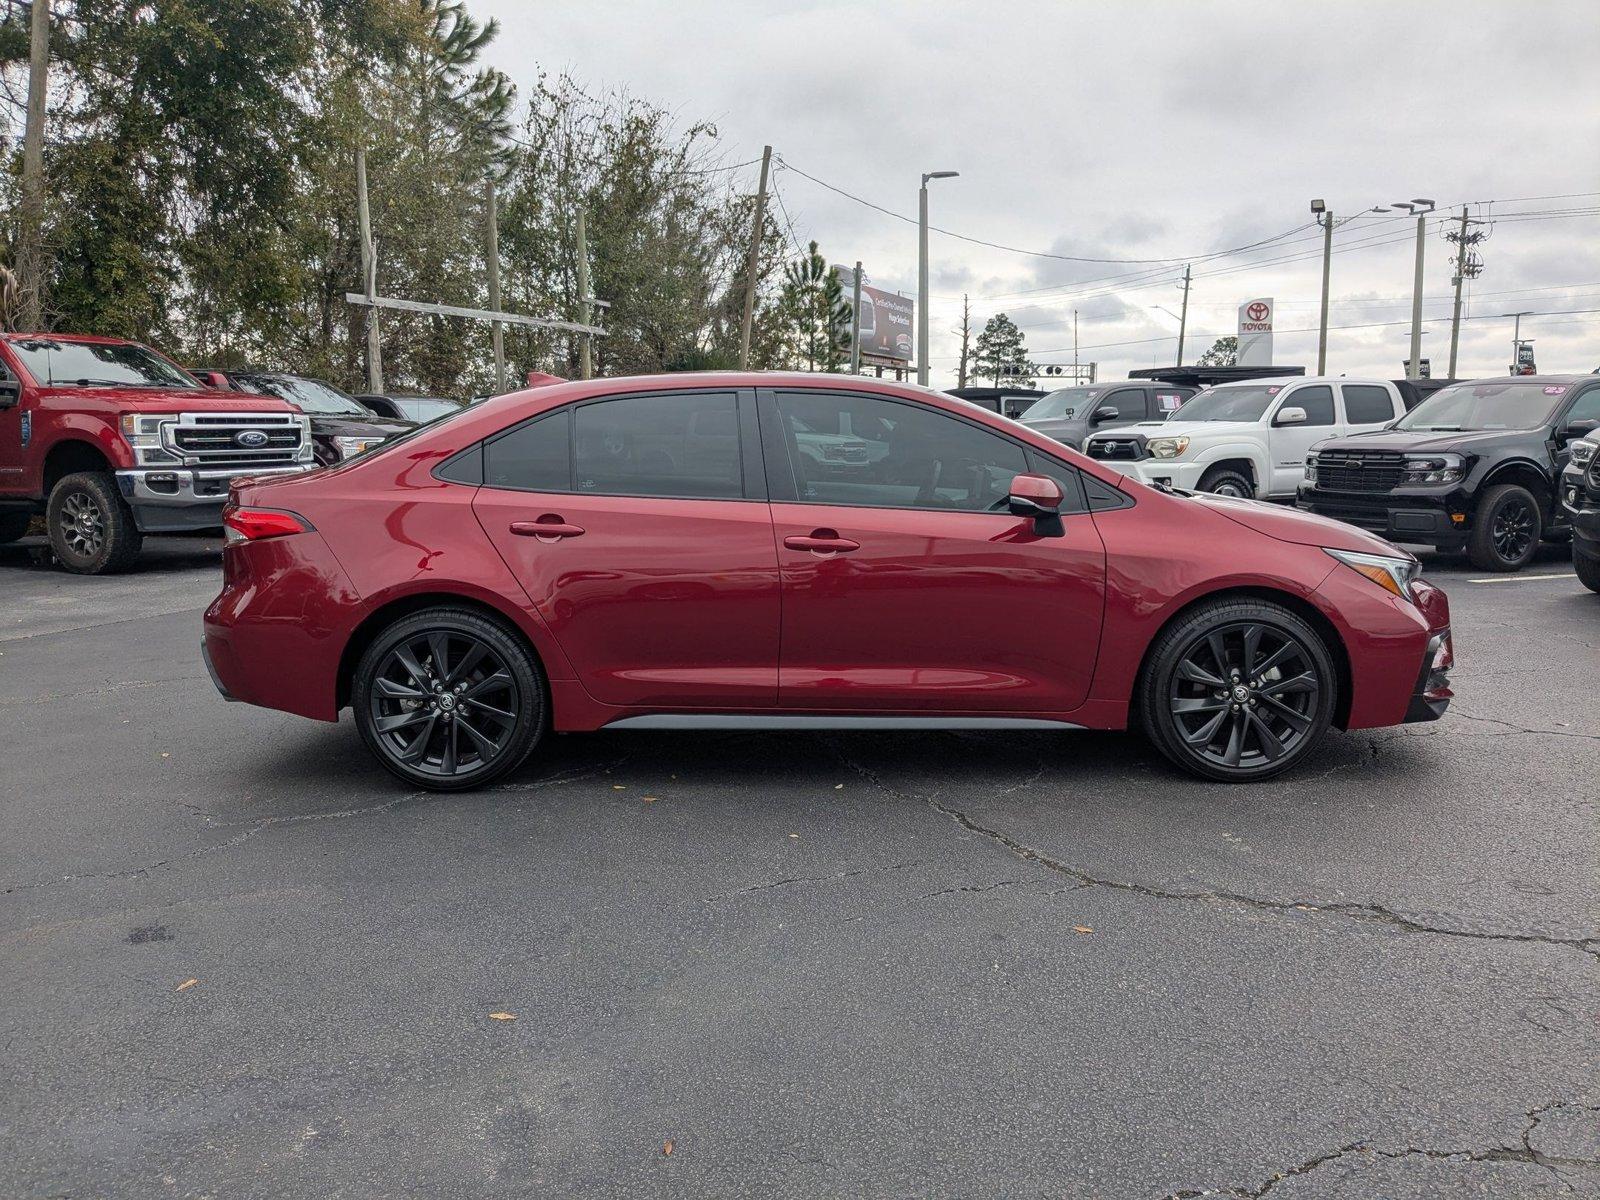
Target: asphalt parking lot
column 790, row 965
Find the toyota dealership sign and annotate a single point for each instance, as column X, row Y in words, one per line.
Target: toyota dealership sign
column 1255, row 332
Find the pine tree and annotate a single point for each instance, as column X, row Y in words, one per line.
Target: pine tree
column 1001, row 353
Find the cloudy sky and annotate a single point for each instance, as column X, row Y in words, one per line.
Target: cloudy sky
column 1162, row 130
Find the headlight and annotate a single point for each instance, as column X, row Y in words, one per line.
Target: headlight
column 1311, row 468
column 142, row 432
column 1167, row 447
column 1583, row 452
column 349, row 447
column 1438, row 468
column 1391, row 574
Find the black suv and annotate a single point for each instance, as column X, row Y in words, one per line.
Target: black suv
column 341, row 426
column 1580, row 496
column 1071, row 414
column 1476, row 465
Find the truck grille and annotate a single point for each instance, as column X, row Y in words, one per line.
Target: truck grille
column 1359, row 471
column 1128, row 449
column 214, row 439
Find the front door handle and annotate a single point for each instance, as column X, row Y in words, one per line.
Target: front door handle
column 821, row 542
column 549, row 528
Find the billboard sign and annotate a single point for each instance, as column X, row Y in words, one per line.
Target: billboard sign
column 886, row 320
column 1255, row 332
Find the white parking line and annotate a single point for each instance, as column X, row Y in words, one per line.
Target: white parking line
column 1522, row 578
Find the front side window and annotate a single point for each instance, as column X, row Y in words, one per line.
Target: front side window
column 60, row 363
column 1586, row 407
column 684, row 445
column 1367, row 404
column 1128, row 402
column 870, row 452
column 1317, row 401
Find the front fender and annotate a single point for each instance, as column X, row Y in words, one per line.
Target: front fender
column 1254, row 454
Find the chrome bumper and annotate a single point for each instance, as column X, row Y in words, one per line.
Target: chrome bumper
column 159, row 486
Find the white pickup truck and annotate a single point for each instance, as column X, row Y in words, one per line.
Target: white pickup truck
column 1247, row 439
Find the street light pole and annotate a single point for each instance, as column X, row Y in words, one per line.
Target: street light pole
column 922, row 273
column 1414, row 366
column 1325, row 219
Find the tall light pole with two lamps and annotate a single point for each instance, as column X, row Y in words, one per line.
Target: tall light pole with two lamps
column 1420, row 209
column 922, row 273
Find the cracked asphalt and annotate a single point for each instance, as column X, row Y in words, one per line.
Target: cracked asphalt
column 874, row 965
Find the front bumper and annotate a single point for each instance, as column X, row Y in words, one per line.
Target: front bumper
column 1417, row 517
column 173, row 500
column 1433, row 695
column 1582, row 508
column 1172, row 472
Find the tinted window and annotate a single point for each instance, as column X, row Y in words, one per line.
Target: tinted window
column 676, row 445
column 1317, row 401
column 1586, row 407
column 1366, row 404
column 533, row 457
column 1129, row 403
column 1169, row 400
column 861, row 450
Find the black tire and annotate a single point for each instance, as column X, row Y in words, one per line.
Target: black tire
column 1505, row 529
column 1588, row 568
column 399, row 687
column 90, row 526
column 1226, row 481
column 1202, row 709
column 13, row 526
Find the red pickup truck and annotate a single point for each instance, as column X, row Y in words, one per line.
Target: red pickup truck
column 111, row 441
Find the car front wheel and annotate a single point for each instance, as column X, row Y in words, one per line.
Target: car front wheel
column 91, row 529
column 449, row 700
column 1238, row 690
column 1505, row 529
column 1226, row 481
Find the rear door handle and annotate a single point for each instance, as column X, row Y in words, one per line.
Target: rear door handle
column 546, row 531
column 821, row 542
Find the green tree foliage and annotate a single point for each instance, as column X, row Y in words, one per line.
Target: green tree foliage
column 1001, row 354
column 817, row 314
column 201, row 170
column 1224, row 352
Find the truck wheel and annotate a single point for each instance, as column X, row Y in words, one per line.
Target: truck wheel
column 1588, row 569
column 1505, row 529
column 449, row 700
column 1225, row 481
column 13, row 526
column 91, row 529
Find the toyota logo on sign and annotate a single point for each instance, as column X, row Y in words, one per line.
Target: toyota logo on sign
column 1258, row 311
column 251, row 439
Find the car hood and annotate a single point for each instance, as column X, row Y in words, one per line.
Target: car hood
column 341, row 425
column 1426, row 441
column 1292, row 525
column 170, row 399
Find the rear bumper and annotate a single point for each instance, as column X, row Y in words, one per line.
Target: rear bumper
column 185, row 499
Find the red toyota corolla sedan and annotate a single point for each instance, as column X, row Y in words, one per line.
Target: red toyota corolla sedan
column 768, row 551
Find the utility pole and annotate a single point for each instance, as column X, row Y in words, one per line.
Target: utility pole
column 855, row 323
column 369, row 276
column 585, row 304
column 1325, row 219
column 753, row 265
column 922, row 273
column 966, row 341
column 1468, row 266
column 1414, row 363
column 1183, row 317
column 30, row 208
column 496, row 334
column 1075, row 346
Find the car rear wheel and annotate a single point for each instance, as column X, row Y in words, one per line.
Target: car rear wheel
column 1505, row 529
column 449, row 700
column 1226, row 481
column 1238, row 690
column 91, row 528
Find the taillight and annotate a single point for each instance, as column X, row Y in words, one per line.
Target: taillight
column 254, row 524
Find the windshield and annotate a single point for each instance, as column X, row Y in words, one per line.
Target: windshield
column 96, row 364
column 424, row 408
column 1062, row 405
column 1232, row 403
column 309, row 395
column 1489, row 404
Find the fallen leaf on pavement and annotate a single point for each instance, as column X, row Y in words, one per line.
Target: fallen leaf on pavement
column 187, row 983
column 1082, row 929
column 648, row 799
column 502, row 1016
column 619, row 787
column 666, row 1147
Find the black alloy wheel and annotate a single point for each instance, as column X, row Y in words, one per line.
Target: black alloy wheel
column 449, row 700
column 1506, row 529
column 1238, row 690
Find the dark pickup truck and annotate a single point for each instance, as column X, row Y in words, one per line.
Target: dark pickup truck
column 341, row 426
column 1580, row 496
column 1476, row 465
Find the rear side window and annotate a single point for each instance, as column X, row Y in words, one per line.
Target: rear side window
column 535, row 457
column 1367, row 404
column 1129, row 403
column 684, row 445
column 1317, row 401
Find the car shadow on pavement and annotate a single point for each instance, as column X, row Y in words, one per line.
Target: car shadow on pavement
column 159, row 555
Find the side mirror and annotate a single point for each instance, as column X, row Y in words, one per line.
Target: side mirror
column 1104, row 414
column 1290, row 416
column 1578, row 429
column 10, row 392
